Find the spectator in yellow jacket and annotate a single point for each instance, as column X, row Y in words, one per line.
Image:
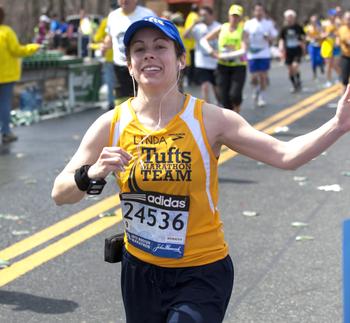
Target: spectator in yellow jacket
column 10, row 72
column 190, row 43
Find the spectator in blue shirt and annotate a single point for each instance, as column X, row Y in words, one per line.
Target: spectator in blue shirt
column 55, row 31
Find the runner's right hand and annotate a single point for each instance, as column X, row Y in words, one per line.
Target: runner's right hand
column 111, row 159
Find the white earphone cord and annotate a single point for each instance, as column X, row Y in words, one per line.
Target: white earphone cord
column 139, row 157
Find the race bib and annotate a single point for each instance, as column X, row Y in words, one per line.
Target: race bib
column 156, row 223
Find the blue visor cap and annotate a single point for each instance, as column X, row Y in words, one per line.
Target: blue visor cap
column 164, row 25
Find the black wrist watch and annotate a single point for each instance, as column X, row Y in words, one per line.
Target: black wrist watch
column 92, row 186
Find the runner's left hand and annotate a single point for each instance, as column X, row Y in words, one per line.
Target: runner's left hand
column 343, row 111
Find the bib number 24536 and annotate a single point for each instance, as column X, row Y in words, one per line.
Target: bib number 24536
column 156, row 223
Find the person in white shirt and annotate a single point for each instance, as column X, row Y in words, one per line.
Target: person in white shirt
column 118, row 22
column 259, row 34
column 204, row 62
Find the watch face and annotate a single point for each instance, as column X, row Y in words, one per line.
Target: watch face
column 96, row 186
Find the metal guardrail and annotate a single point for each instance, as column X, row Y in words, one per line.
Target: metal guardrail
column 80, row 91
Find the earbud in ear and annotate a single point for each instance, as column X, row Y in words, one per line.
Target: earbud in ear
column 131, row 73
column 180, row 66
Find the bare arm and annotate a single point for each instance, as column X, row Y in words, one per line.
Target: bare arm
column 281, row 46
column 225, row 127
column 93, row 150
column 234, row 53
column 204, row 41
column 282, row 49
column 106, row 44
column 188, row 31
column 246, row 39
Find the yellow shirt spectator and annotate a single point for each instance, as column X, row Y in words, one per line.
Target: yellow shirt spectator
column 330, row 40
column 10, row 52
column 344, row 37
column 192, row 17
column 99, row 38
column 181, row 30
column 313, row 34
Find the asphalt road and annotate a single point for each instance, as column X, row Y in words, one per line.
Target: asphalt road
column 277, row 279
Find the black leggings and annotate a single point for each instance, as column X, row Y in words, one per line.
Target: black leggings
column 345, row 69
column 230, row 82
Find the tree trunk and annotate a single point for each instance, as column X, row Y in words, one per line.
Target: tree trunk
column 101, row 8
column 218, row 5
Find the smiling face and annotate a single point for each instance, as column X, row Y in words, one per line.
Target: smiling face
column 153, row 60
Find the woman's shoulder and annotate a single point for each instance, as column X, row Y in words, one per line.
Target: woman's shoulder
column 99, row 131
column 211, row 112
column 105, row 119
column 218, row 117
column 344, row 29
column 224, row 26
column 6, row 29
column 115, row 115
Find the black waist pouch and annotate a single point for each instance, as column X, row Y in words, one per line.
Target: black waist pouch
column 114, row 248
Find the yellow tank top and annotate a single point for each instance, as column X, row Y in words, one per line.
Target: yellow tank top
column 169, row 200
column 344, row 36
column 231, row 40
column 328, row 44
column 331, row 30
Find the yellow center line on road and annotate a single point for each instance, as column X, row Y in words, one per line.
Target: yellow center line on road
column 307, row 110
column 57, row 248
column 298, row 106
column 58, row 228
